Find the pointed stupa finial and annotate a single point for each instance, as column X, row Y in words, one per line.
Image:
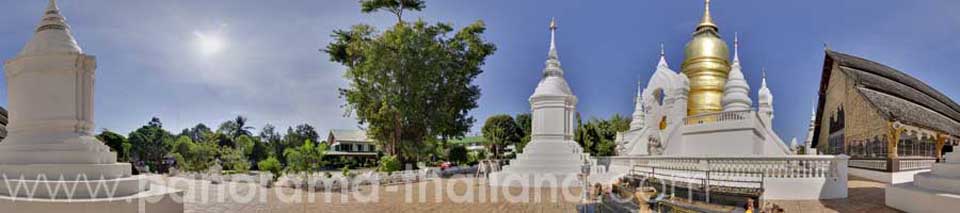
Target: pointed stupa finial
column 707, row 21
column 52, row 6
column 553, row 58
column 663, row 57
column 553, row 38
column 763, row 77
column 736, row 47
column 662, row 52
column 52, row 35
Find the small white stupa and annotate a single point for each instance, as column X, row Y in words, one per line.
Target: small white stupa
column 51, row 147
column 552, row 158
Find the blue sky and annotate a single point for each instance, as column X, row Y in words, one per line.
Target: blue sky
column 270, row 71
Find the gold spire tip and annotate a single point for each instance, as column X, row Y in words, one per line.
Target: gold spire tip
column 553, row 23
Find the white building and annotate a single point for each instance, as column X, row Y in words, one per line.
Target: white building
column 702, row 121
column 551, row 158
column 50, row 143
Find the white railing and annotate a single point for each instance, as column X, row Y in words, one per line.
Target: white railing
column 800, row 166
column 719, row 117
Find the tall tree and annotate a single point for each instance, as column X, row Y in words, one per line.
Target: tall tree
column 151, row 143
column 393, row 6
column 525, row 123
column 413, row 81
column 118, row 143
column 302, row 132
column 499, row 131
column 196, row 133
column 236, row 127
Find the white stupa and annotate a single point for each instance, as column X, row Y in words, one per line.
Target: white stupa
column 50, row 144
column 552, row 158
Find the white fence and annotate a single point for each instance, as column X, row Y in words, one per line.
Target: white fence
column 797, row 177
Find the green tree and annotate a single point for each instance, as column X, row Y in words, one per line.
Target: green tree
column 525, row 123
column 274, row 142
column 236, row 127
column 499, row 131
column 302, row 132
column 192, row 156
column 197, row 132
column 151, row 143
column 393, row 6
column 389, row 164
column 458, row 154
column 233, row 159
column 413, row 81
column 272, row 165
column 118, row 143
column 307, row 158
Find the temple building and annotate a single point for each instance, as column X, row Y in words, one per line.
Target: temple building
column 891, row 124
column 706, row 108
column 700, row 125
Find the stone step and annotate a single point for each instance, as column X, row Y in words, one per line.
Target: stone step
column 930, row 181
column 72, row 189
column 57, row 157
column 67, row 171
column 946, row 169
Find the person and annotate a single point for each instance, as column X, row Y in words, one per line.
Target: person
column 749, row 206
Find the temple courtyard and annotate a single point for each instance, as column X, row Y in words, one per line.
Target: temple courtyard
column 447, row 195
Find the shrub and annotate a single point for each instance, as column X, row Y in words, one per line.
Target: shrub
column 272, row 165
column 389, row 164
column 458, row 154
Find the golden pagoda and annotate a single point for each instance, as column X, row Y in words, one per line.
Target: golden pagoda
column 706, row 66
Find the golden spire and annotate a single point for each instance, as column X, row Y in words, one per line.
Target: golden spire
column 706, row 64
column 707, row 21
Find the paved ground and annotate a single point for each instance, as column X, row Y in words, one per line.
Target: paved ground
column 447, row 195
column 862, row 196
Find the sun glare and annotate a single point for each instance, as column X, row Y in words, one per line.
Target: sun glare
column 208, row 43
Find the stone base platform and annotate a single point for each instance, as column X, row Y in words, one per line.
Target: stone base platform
column 910, row 198
column 159, row 199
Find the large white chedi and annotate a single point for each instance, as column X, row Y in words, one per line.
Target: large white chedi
column 551, row 158
column 701, row 121
column 660, row 124
column 935, row 191
column 50, row 145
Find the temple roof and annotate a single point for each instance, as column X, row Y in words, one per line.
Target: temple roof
column 898, row 96
column 52, row 35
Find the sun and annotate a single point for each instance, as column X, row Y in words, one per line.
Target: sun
column 209, row 43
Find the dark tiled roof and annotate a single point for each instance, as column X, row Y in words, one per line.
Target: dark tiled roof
column 899, row 96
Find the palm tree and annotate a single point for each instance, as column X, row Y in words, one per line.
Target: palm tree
column 236, row 127
column 241, row 127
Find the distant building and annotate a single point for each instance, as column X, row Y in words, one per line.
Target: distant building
column 472, row 143
column 351, row 143
column 891, row 124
